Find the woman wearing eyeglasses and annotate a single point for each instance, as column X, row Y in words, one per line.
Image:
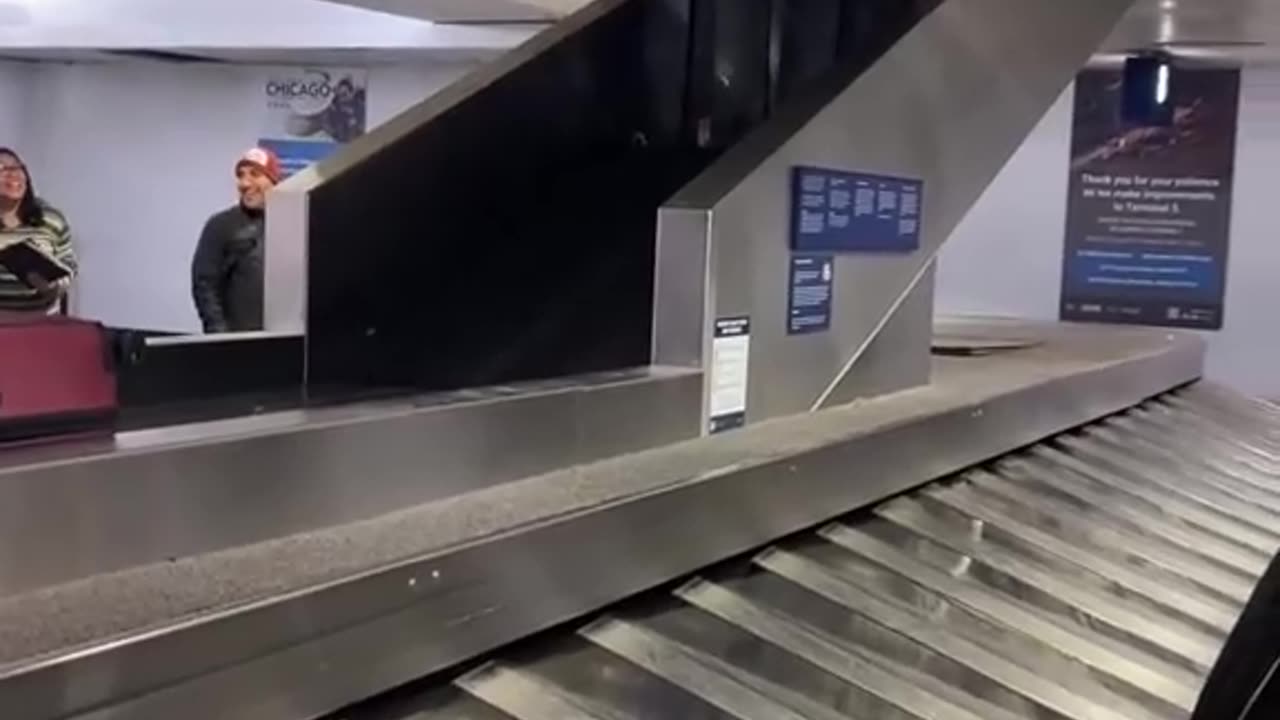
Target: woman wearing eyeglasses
column 35, row 282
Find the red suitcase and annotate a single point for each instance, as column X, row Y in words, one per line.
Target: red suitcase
column 56, row 377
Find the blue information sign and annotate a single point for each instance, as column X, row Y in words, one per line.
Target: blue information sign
column 809, row 294
column 843, row 212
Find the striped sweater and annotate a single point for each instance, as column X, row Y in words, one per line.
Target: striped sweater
column 52, row 237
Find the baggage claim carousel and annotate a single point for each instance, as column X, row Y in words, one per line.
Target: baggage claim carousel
column 1039, row 521
column 1067, row 528
column 1093, row 575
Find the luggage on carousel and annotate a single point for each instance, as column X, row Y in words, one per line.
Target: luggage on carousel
column 57, row 377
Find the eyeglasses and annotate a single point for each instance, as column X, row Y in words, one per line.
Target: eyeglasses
column 12, row 170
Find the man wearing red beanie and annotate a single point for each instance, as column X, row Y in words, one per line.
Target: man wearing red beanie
column 226, row 273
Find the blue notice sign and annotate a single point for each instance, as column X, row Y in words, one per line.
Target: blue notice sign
column 809, row 290
column 841, row 212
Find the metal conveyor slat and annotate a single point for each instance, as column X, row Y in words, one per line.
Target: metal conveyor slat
column 1092, row 577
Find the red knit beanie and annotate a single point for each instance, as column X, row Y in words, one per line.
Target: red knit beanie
column 264, row 160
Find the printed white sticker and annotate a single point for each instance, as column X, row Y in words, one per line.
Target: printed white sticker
column 730, row 351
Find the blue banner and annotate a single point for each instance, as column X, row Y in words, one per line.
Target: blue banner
column 1149, row 215
column 843, row 212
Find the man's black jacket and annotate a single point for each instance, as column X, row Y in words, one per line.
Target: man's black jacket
column 226, row 273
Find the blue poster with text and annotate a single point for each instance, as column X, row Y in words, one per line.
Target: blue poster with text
column 809, row 294
column 833, row 211
column 1149, row 215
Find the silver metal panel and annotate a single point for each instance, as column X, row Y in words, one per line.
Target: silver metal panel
column 687, row 669
column 665, row 513
column 948, row 104
column 1111, row 608
column 125, row 508
column 914, row 662
column 626, row 417
column 1116, row 565
column 731, row 650
column 680, row 287
column 524, row 697
column 820, row 650
column 1130, row 461
column 614, row 688
column 941, row 637
column 1175, row 504
column 1101, row 532
column 1157, row 424
column 1239, row 481
column 1063, row 643
column 897, row 356
column 1134, row 511
column 1251, row 452
column 284, row 260
column 226, row 337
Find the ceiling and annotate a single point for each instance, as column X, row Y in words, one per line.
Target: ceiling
column 355, row 57
column 1247, row 30
column 376, row 31
column 245, row 31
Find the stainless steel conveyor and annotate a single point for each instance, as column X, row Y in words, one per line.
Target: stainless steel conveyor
column 1093, row 576
column 1099, row 569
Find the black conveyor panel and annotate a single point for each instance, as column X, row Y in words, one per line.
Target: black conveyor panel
column 511, row 236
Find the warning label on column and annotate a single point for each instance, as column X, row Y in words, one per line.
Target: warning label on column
column 730, row 350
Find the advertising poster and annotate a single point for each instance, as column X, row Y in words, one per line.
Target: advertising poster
column 310, row 112
column 1149, row 211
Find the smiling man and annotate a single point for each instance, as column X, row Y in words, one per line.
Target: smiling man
column 226, row 273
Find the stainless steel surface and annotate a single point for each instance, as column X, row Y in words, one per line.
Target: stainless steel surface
column 948, row 104
column 896, row 356
column 229, row 337
column 303, row 625
column 285, row 258
column 1007, row 592
column 680, row 301
column 177, row 493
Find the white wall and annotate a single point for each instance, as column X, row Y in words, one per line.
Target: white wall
column 138, row 155
column 245, row 24
column 13, row 84
column 1005, row 257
